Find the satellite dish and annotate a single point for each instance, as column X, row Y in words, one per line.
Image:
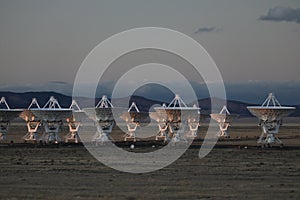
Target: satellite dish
column 102, row 111
column 32, row 122
column 270, row 114
column 6, row 115
column 224, row 118
column 74, row 122
column 171, row 117
column 133, row 114
column 52, row 115
column 27, row 115
column 133, row 118
column 102, row 114
column 52, row 111
column 77, row 113
column 176, row 110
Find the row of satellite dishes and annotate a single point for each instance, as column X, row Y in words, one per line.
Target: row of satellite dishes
column 176, row 122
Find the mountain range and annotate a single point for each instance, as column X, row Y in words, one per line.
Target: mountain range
column 287, row 92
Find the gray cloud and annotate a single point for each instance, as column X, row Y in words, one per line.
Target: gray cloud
column 279, row 14
column 205, row 30
column 59, row 82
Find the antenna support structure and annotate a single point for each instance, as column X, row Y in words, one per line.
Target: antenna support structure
column 270, row 115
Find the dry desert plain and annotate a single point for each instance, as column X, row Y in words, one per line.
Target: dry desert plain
column 235, row 169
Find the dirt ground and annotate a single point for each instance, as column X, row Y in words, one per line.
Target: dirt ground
column 235, row 169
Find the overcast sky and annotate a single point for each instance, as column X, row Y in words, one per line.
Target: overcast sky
column 45, row 41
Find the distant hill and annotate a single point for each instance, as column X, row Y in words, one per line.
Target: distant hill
column 22, row 100
column 235, row 107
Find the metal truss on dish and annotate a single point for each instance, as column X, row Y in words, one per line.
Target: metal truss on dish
column 224, row 118
column 103, row 116
column 133, row 118
column 173, row 121
column 52, row 117
column 270, row 115
column 6, row 116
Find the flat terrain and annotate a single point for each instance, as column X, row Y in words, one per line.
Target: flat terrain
column 235, row 169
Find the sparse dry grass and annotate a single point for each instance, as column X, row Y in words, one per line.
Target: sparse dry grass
column 70, row 172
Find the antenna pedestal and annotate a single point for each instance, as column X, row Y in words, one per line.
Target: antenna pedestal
column 224, row 119
column 130, row 135
column 269, row 131
column 3, row 129
column 164, row 129
column 32, row 127
column 223, row 126
column 173, row 121
column 177, row 133
column 172, row 131
column 193, row 129
column 51, row 131
column 103, row 129
column 72, row 136
column 6, row 115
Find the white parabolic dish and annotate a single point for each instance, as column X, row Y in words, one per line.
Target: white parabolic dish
column 177, row 113
column 270, row 113
column 136, row 116
column 223, row 117
column 78, row 115
column 9, row 114
column 52, row 114
column 27, row 115
column 99, row 114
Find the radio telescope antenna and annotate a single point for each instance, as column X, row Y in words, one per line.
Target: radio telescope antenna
column 133, row 118
column 174, row 119
column 6, row 115
column 102, row 114
column 52, row 116
column 131, row 124
column 270, row 115
column 74, row 122
column 32, row 122
column 224, row 118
